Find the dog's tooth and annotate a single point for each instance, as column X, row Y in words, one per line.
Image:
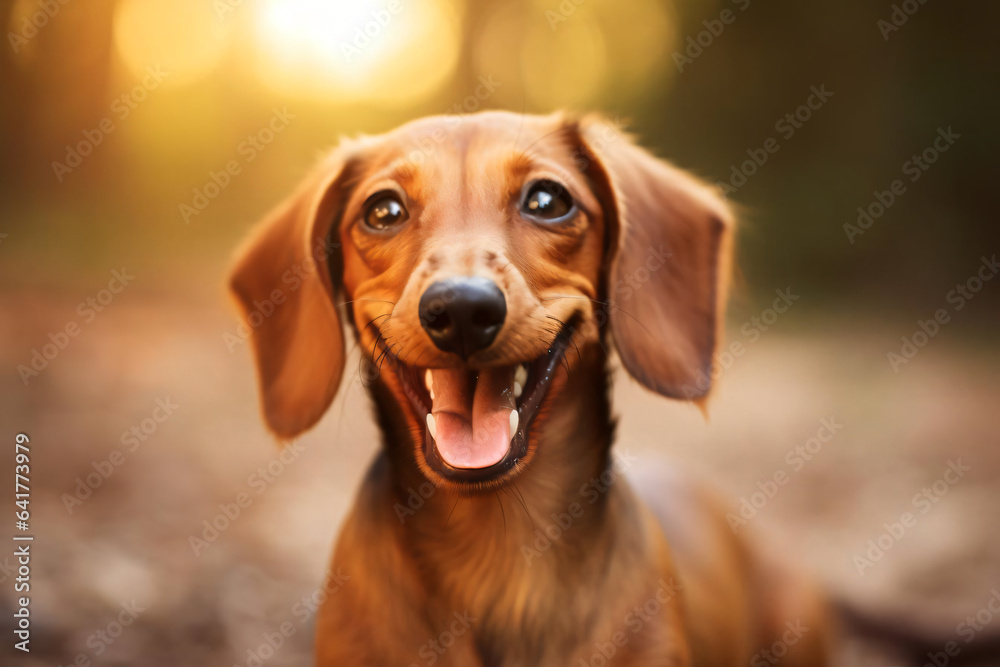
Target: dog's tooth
column 431, row 425
column 429, row 381
column 521, row 375
column 513, row 423
column 518, row 389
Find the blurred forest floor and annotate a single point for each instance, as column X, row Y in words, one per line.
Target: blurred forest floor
column 128, row 542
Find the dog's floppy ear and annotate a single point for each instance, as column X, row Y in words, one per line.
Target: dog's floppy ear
column 669, row 238
column 281, row 281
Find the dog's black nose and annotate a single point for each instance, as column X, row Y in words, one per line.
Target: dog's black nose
column 463, row 315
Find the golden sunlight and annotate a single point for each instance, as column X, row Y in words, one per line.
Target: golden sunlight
column 570, row 54
column 185, row 38
column 386, row 51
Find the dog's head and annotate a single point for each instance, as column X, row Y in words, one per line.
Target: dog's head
column 471, row 254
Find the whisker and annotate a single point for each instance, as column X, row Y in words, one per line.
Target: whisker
column 520, row 499
column 452, row 510
column 344, row 398
column 572, row 339
column 503, row 514
column 524, row 153
column 361, row 358
column 365, row 298
column 603, row 303
column 386, row 350
column 378, row 338
column 415, row 361
column 372, row 320
column 392, row 354
column 401, row 355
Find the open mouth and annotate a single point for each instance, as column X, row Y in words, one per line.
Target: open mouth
column 477, row 420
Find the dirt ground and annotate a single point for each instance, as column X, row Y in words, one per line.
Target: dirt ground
column 875, row 438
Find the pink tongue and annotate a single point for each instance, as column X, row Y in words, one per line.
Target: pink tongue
column 472, row 430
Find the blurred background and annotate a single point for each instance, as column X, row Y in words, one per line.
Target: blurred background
column 141, row 139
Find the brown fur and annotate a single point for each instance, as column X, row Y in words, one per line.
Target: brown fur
column 482, row 551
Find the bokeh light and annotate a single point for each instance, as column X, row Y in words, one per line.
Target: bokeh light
column 346, row 67
column 570, row 55
column 186, row 38
column 365, row 51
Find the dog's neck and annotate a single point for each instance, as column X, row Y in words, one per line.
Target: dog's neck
column 506, row 556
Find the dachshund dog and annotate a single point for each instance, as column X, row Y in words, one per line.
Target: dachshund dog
column 485, row 265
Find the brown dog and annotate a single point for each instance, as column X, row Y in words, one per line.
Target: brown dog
column 485, row 263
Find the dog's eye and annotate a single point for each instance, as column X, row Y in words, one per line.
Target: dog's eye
column 547, row 200
column 384, row 210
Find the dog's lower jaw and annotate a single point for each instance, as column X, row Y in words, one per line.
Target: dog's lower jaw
column 534, row 569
